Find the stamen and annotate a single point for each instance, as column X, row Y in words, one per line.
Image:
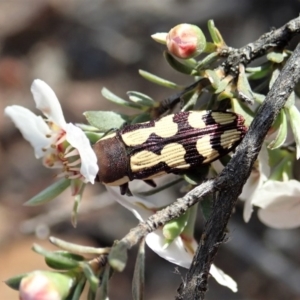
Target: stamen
column 72, row 153
column 74, row 169
column 48, row 135
column 75, row 163
column 68, row 148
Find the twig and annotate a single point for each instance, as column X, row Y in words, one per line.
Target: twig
column 230, row 182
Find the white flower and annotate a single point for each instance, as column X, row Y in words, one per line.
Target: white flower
column 182, row 249
column 61, row 145
column 280, row 203
column 258, row 176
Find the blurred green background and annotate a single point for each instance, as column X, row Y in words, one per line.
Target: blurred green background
column 78, row 47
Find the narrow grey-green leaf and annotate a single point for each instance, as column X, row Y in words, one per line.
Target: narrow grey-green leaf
column 90, row 276
column 94, row 137
column 14, row 282
column 106, row 120
column 242, row 109
column 141, row 118
column 116, row 99
column 244, row 89
column 213, row 78
column 259, row 72
column 140, row 98
column 49, row 193
column 215, row 33
column 102, row 292
column 118, row 256
column 56, row 260
column 158, row 80
column 75, row 295
column 207, row 61
column 281, row 132
column 177, row 65
column 138, row 280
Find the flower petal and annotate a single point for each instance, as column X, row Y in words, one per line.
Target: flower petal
column 47, row 102
column 254, row 182
column 223, row 278
column 280, row 204
column 76, row 137
column 174, row 253
column 33, row 128
column 276, row 191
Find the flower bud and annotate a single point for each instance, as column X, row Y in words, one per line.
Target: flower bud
column 44, row 285
column 186, row 41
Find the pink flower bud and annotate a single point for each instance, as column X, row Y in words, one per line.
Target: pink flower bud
column 43, row 285
column 186, row 41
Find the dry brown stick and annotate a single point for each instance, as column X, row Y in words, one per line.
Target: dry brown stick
column 230, row 182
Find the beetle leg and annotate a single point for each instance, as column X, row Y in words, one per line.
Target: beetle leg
column 124, row 189
column 150, row 182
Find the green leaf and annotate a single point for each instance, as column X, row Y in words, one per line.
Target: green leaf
column 76, row 293
column 213, row 78
column 294, row 115
column 290, row 100
column 141, row 118
column 215, row 34
column 242, row 109
column 102, row 293
column 75, row 248
column 259, row 72
column 158, row 80
column 117, row 100
column 49, row 193
column 118, row 256
column 276, row 57
column 90, row 276
column 94, row 137
column 138, row 280
column 174, row 228
column 57, row 260
column 243, row 87
column 283, row 170
column 207, row 61
column 282, row 126
column 14, row 282
column 178, row 66
column 140, row 98
column 106, row 120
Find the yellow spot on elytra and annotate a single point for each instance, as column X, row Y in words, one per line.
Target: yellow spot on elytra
column 165, row 127
column 171, row 154
column 204, row 148
column 223, row 118
column 195, row 119
column 229, row 137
